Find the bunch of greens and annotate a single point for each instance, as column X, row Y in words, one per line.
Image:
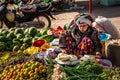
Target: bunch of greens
column 86, row 70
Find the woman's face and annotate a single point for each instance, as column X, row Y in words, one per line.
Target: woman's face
column 82, row 27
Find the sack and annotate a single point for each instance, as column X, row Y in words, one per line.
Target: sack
column 104, row 25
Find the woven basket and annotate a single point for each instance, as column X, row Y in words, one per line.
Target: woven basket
column 113, row 51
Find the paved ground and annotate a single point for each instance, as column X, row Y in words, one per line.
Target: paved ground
column 111, row 12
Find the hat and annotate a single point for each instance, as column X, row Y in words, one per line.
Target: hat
column 84, row 18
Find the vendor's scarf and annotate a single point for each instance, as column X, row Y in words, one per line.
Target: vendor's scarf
column 86, row 46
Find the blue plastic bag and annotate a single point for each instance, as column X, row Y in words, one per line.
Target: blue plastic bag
column 104, row 36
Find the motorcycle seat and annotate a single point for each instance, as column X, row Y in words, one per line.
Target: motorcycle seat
column 28, row 8
column 42, row 8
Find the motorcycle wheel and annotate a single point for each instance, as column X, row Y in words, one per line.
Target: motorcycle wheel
column 1, row 24
column 43, row 21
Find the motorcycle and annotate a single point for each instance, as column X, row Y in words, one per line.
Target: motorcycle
column 31, row 13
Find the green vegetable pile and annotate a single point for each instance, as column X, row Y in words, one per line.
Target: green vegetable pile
column 15, row 39
column 111, row 74
column 86, row 70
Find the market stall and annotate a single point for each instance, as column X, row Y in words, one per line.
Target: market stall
column 35, row 55
column 32, row 54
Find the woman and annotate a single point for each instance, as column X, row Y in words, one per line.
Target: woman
column 82, row 38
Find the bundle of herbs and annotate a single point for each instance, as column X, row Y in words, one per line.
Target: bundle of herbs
column 86, row 70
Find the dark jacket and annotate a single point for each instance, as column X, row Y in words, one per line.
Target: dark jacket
column 77, row 36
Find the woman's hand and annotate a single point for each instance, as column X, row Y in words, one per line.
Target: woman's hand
column 64, row 51
column 68, row 51
column 98, row 60
column 98, row 55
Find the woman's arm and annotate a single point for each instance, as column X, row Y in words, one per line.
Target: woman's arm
column 66, row 42
column 96, row 42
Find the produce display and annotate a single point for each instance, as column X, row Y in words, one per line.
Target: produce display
column 7, row 59
column 86, row 70
column 111, row 74
column 67, row 59
column 15, row 39
column 27, row 54
column 56, row 31
column 57, row 73
column 52, row 53
column 28, row 70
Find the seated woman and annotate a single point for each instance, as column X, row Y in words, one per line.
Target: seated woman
column 82, row 39
column 82, row 36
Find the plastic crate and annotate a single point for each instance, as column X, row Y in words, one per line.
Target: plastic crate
column 107, row 2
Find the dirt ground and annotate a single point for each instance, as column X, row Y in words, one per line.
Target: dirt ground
column 62, row 19
column 111, row 12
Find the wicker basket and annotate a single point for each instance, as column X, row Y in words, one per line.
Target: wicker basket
column 113, row 51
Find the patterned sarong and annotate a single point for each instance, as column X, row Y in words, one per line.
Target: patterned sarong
column 86, row 46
